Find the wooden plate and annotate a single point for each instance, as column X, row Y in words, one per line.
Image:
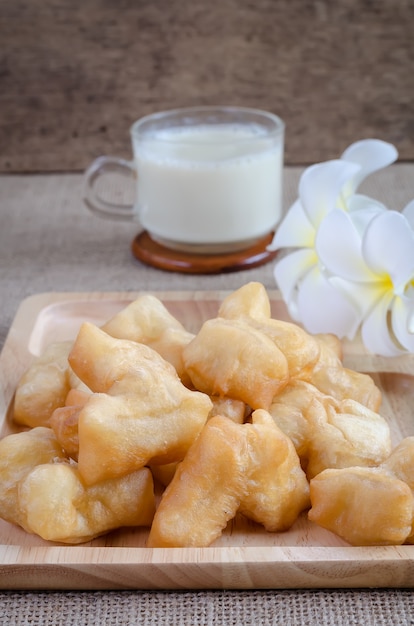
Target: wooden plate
column 246, row 556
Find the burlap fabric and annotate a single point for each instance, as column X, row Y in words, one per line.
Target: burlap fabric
column 210, row 608
column 49, row 242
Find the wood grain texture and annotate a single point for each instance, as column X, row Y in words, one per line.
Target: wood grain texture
column 155, row 254
column 246, row 556
column 75, row 75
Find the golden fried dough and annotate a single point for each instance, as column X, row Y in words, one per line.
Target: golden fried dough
column 205, row 491
column 250, row 300
column 146, row 320
column 276, row 489
column 19, row 454
column 289, row 410
column 331, row 353
column 328, row 433
column 252, row 468
column 330, row 377
column 43, row 387
column 231, row 358
column 251, row 304
column 164, row 473
column 235, row 410
column 64, row 423
column 343, row 383
column 401, row 461
column 234, row 420
column 44, row 494
column 345, row 434
column 77, row 397
column 139, row 413
column 318, row 360
column 300, row 349
column 400, row 464
column 57, row 506
column 364, row 506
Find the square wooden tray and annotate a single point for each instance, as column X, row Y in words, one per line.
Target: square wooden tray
column 246, row 556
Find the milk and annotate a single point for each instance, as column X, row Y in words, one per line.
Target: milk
column 209, row 185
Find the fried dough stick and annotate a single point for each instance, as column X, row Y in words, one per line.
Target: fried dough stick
column 251, row 468
column 139, row 413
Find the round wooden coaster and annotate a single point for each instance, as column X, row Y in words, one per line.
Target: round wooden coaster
column 145, row 249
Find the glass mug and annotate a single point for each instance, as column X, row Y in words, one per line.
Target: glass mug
column 208, row 179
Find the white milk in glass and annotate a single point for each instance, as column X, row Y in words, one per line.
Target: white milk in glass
column 209, row 184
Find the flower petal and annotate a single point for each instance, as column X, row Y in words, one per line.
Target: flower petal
column 408, row 213
column 294, row 231
column 320, row 187
column 364, row 296
column 371, row 155
column 365, row 206
column 338, row 246
column 388, row 248
column 375, row 332
column 402, row 313
column 289, row 271
column 324, row 309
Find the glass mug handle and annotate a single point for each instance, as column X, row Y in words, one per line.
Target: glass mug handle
column 100, row 167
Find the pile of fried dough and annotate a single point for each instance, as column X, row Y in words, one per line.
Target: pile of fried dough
column 249, row 416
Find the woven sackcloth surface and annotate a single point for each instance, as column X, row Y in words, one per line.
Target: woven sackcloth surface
column 210, row 608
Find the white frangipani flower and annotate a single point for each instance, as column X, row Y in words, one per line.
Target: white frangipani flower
column 352, row 263
column 374, row 267
column 320, row 191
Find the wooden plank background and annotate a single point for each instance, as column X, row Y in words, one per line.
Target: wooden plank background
column 74, row 74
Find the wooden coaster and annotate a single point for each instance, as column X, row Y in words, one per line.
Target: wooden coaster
column 145, row 249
